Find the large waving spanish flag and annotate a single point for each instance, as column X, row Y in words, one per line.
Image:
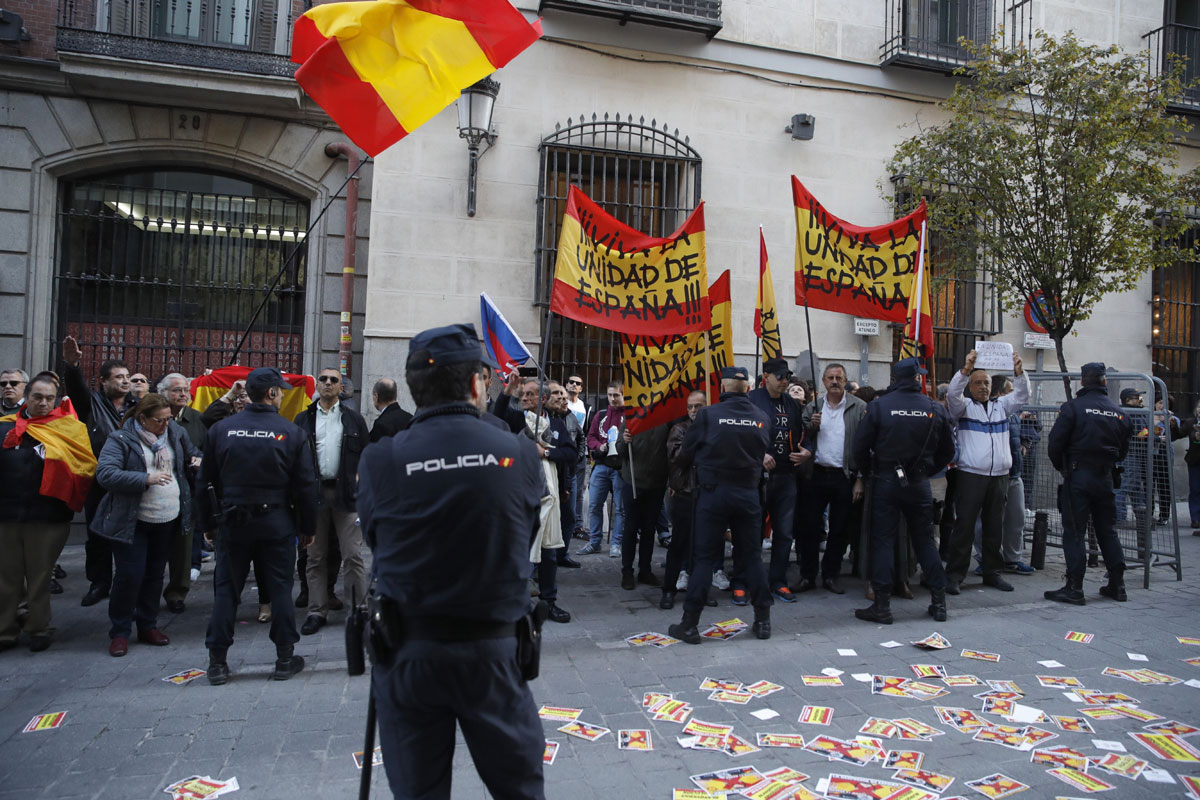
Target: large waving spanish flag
column 70, row 464
column 381, row 69
column 208, row 388
column 614, row 277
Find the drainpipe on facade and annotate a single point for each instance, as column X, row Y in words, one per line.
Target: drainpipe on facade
column 345, row 340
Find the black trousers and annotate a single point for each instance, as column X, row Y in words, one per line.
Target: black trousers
column 828, row 487
column 717, row 509
column 889, row 502
column 1087, row 494
column 976, row 497
column 97, row 551
column 269, row 538
column 547, row 574
column 427, row 687
column 679, row 552
column 138, row 580
column 781, row 508
column 641, row 523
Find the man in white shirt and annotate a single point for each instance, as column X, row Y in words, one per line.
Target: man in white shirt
column 337, row 436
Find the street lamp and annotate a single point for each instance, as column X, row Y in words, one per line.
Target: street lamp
column 475, row 106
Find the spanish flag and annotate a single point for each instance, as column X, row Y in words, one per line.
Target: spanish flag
column 381, row 69
column 208, row 388
column 766, row 320
column 70, row 465
column 918, row 324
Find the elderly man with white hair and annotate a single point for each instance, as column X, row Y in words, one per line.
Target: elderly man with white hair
column 183, row 563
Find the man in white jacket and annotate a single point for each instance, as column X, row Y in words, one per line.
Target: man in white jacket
column 984, row 459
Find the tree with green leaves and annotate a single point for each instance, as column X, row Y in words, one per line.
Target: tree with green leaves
column 1056, row 167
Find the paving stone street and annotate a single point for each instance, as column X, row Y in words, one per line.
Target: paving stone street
column 128, row 734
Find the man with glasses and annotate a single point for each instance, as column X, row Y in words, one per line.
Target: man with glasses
column 102, row 411
column 12, row 390
column 337, row 436
column 139, row 385
column 184, row 559
column 583, row 414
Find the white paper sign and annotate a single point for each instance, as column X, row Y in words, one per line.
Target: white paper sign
column 1156, row 775
column 846, row 651
column 764, row 714
column 1074, row 698
column 1051, row 664
column 832, row 672
column 890, row 644
column 1105, row 744
column 862, row 677
column 1136, row 657
column 994, row 356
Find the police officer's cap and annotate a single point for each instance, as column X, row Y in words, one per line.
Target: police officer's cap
column 1093, row 369
column 734, row 374
column 1128, row 393
column 449, row 344
column 777, row 367
column 908, row 368
column 259, row 381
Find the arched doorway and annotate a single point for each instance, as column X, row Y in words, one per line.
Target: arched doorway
column 165, row 269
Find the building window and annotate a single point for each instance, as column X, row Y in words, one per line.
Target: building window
column 1178, row 38
column 640, row 173
column 1175, row 326
column 167, row 268
column 702, row 16
column 926, row 33
column 962, row 300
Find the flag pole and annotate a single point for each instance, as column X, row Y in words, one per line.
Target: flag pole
column 812, row 361
column 918, row 294
column 758, row 310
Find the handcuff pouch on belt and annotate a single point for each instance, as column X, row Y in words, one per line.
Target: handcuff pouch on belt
column 385, row 627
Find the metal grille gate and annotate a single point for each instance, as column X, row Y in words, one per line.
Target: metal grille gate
column 167, row 279
column 641, row 174
column 1148, row 539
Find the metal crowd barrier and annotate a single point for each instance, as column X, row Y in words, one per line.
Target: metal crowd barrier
column 1147, row 523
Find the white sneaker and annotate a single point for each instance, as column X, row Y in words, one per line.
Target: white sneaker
column 766, row 545
column 681, row 584
column 195, row 574
column 719, row 581
column 614, row 551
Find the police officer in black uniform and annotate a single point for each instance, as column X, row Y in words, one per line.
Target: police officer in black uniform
column 1090, row 436
column 263, row 490
column 444, row 627
column 905, row 437
column 726, row 444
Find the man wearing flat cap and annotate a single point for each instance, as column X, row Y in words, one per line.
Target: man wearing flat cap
column 727, row 444
column 903, row 439
column 1089, row 438
column 452, row 484
column 263, row 482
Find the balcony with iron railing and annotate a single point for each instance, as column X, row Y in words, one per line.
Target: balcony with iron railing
column 1175, row 41
column 702, row 16
column 246, row 36
column 928, row 34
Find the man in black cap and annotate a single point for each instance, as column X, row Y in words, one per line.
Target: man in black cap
column 1089, row 438
column 727, row 444
column 905, row 437
column 263, row 482
column 447, row 625
column 780, row 462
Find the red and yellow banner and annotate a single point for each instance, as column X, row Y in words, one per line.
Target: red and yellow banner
column 70, row 464
column 852, row 269
column 381, row 69
column 918, row 325
column 609, row 275
column 211, row 387
column 766, row 319
column 660, row 372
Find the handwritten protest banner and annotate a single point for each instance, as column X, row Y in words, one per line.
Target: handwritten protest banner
column 863, row 271
column 609, row 275
column 660, row 372
column 766, row 320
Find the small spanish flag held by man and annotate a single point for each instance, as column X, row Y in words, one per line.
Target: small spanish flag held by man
column 70, row 465
column 766, row 319
column 382, row 69
column 211, row 387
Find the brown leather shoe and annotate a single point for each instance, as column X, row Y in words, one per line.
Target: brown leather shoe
column 118, row 646
column 153, row 636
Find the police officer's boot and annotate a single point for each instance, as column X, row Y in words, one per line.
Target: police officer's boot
column 218, row 670
column 668, row 600
column 686, row 630
column 937, row 604
column 881, row 610
column 286, row 663
column 1071, row 593
column 1115, row 588
column 762, row 622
